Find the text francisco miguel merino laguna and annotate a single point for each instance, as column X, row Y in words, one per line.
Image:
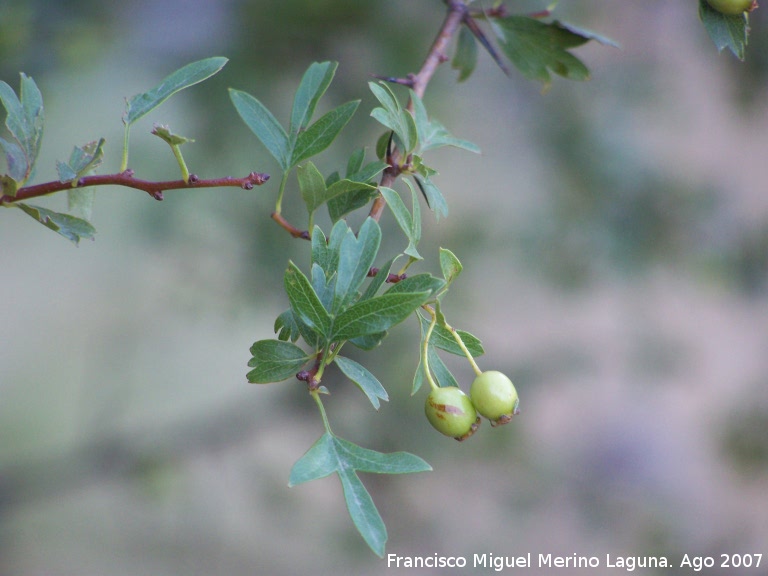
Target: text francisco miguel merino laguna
column 499, row 563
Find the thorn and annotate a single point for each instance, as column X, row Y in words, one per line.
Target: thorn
column 470, row 23
column 408, row 81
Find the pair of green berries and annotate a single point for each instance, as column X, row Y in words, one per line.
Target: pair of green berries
column 453, row 413
column 733, row 7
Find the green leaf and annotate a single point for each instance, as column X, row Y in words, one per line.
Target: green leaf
column 305, row 303
column 80, row 201
column 450, row 265
column 71, row 227
column 286, row 327
column 465, row 58
column 322, row 254
column 730, row 32
column 165, row 134
column 368, row 172
column 264, row 125
column 432, row 134
column 313, row 85
column 394, row 116
column 324, row 287
column 24, row 120
column 378, row 280
column 366, row 381
column 274, row 361
column 322, row 133
column 355, row 162
column 189, row 75
column 435, row 199
column 537, row 47
column 376, row 315
column 311, row 185
column 17, row 167
column 410, row 225
column 8, row 186
column 419, row 283
column 348, row 201
column 440, row 371
column 346, row 186
column 369, row 341
column 331, row 454
column 443, row 339
column 356, row 256
column 81, row 161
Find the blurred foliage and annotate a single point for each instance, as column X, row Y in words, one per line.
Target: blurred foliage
column 604, row 212
column 743, row 438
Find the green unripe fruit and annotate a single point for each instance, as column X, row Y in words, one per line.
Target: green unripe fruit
column 495, row 397
column 732, row 7
column 451, row 412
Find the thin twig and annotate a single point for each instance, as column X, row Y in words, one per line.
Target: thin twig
column 457, row 12
column 154, row 189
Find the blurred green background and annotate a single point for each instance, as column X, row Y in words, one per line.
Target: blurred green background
column 615, row 241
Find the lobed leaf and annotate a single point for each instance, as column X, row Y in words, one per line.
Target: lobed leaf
column 286, row 327
column 24, row 120
column 331, row 454
column 356, row 256
column 537, row 47
column 274, row 361
column 189, row 75
column 72, row 228
column 82, row 160
column 165, row 134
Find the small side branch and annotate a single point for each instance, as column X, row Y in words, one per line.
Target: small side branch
column 154, row 189
column 457, row 13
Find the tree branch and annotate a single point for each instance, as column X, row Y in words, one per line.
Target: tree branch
column 457, row 13
column 154, row 189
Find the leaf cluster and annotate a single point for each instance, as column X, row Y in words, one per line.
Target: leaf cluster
column 25, row 121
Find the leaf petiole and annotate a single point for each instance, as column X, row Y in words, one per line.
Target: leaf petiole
column 281, row 191
column 463, row 347
column 316, row 395
column 425, row 348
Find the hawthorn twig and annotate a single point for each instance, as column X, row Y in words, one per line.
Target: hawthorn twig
column 290, row 228
column 457, row 13
column 154, row 189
